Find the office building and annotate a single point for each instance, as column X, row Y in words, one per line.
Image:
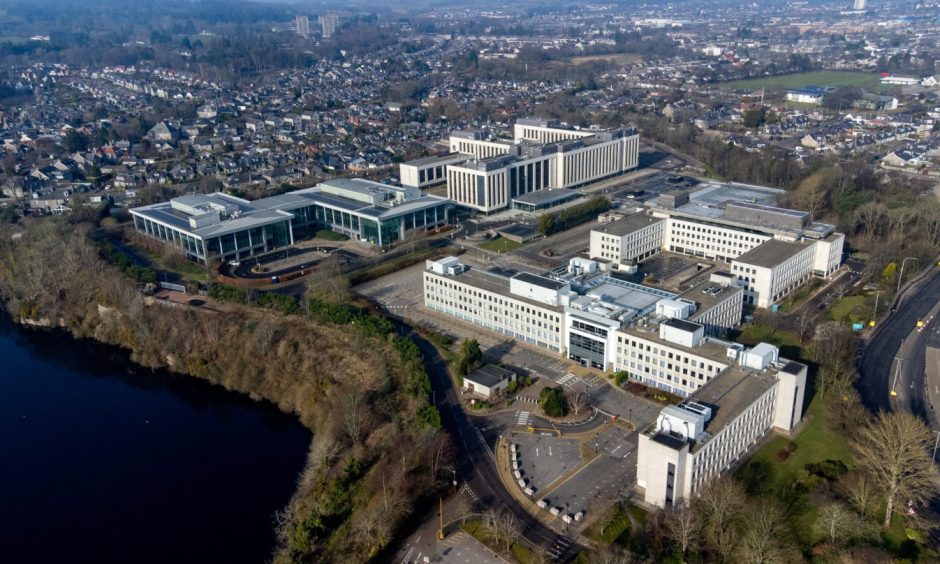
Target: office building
column 692, row 443
column 542, row 154
column 770, row 251
column 580, row 313
column 209, row 227
column 427, row 172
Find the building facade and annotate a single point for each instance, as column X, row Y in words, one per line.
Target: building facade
column 694, row 442
column 221, row 227
column 541, row 155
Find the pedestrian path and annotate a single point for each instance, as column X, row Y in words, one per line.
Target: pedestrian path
column 523, row 418
column 568, row 380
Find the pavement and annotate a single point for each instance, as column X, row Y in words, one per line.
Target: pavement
column 878, row 361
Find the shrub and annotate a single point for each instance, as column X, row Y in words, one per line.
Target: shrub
column 428, row 417
column 553, row 401
column 225, row 293
column 285, row 305
column 829, row 469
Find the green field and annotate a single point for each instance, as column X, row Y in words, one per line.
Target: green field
column 615, row 58
column 500, row 245
column 868, row 81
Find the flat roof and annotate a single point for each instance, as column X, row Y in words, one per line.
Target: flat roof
column 540, row 281
column 712, row 349
column 489, row 375
column 547, row 196
column 496, row 282
column 771, row 253
column 628, row 224
column 730, row 393
column 425, row 161
column 683, row 325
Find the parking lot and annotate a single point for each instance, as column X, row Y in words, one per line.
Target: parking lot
column 544, row 459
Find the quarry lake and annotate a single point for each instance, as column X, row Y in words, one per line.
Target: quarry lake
column 103, row 461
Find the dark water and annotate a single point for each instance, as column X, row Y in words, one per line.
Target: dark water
column 104, row 462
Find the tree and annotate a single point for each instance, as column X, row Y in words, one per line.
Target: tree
column 683, row 527
column 578, row 401
column 763, row 538
column 471, row 357
column 834, row 350
column 835, row 521
column 755, row 117
column 552, row 401
column 720, row 505
column 894, row 451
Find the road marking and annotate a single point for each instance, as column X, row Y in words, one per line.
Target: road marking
column 407, row 557
column 616, row 449
column 549, row 451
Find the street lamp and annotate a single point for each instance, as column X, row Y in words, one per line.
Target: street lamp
column 901, row 276
column 897, row 372
column 874, row 315
column 937, row 442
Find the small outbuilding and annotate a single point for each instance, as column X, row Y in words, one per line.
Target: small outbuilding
column 489, row 381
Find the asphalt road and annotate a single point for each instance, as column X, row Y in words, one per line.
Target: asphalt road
column 878, row 358
column 475, row 465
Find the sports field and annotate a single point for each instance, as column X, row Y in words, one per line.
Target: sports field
column 868, row 81
column 616, row 58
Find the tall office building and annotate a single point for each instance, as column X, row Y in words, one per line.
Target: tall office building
column 859, row 5
column 302, row 26
column 329, row 23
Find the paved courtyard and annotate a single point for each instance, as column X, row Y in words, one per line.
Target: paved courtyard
column 544, row 459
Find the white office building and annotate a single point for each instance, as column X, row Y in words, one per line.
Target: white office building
column 542, row 155
column 427, row 172
column 771, row 251
column 579, row 314
column 692, row 443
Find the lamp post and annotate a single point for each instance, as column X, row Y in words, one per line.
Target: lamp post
column 901, row 276
column 874, row 315
column 937, row 442
column 897, row 372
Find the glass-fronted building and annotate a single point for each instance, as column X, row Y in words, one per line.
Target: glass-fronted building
column 222, row 227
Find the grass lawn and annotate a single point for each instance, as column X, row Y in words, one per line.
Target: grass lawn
column 613, row 527
column 849, row 308
column 759, row 333
column 331, row 235
column 800, row 296
column 766, row 474
column 520, row 552
column 869, row 81
column 500, row 245
column 616, row 58
column 180, row 266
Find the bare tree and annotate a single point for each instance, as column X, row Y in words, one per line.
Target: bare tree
column 609, row 555
column 578, row 401
column 857, row 487
column 353, row 413
column 683, row 527
column 762, row 541
column 835, row 521
column 492, row 519
column 834, row 350
column 869, row 218
column 720, row 505
column 894, row 452
column 511, row 528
